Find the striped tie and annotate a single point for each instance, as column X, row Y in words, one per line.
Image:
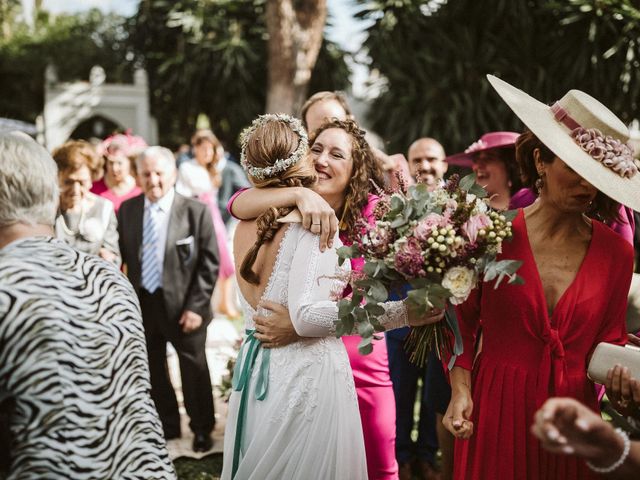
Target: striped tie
column 150, row 265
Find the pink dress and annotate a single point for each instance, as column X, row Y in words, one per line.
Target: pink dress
column 375, row 392
column 227, row 268
column 100, row 188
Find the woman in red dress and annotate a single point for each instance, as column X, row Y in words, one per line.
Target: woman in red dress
column 538, row 336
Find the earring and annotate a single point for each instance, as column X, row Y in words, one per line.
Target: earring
column 540, row 182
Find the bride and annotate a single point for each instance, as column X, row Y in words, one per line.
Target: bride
column 293, row 413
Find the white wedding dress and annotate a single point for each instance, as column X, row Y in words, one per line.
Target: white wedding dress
column 307, row 425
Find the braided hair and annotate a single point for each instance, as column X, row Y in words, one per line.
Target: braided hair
column 267, row 143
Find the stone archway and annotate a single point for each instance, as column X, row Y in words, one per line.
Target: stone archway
column 69, row 106
column 96, row 126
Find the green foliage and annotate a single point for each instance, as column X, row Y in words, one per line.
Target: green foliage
column 73, row 43
column 207, row 468
column 545, row 47
column 201, row 56
column 211, row 57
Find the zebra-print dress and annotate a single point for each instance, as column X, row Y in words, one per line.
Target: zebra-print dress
column 73, row 364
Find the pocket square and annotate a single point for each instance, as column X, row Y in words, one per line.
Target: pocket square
column 185, row 241
column 184, row 247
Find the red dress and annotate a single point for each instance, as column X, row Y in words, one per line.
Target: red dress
column 528, row 357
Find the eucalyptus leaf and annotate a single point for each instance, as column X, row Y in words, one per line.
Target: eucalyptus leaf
column 467, row 182
column 510, row 215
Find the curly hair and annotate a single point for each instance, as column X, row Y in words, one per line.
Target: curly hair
column 366, row 172
column 602, row 208
column 75, row 154
column 266, row 144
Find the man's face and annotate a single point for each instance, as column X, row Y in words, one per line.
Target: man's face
column 426, row 162
column 156, row 177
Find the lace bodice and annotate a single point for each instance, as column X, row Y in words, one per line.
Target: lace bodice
column 308, row 282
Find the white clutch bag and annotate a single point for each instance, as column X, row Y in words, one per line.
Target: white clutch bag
column 607, row 355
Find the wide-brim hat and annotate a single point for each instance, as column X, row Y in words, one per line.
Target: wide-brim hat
column 486, row 142
column 584, row 134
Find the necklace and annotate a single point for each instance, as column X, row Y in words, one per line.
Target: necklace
column 70, row 231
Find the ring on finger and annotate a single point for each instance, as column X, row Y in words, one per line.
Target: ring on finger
column 623, row 402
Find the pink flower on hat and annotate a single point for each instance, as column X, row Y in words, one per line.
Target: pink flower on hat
column 610, row 151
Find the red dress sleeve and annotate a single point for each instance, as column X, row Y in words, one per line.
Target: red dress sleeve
column 614, row 330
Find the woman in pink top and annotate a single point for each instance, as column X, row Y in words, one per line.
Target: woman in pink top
column 118, row 184
column 371, row 372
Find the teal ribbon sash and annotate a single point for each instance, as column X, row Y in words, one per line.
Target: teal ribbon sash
column 241, row 377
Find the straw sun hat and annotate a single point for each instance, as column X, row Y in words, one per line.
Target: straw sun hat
column 585, row 135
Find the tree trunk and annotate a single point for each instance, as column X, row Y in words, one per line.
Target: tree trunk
column 295, row 30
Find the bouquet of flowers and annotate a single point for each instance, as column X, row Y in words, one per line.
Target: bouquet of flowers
column 432, row 247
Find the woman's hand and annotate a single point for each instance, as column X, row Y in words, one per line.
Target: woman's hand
column 107, row 255
column 633, row 340
column 276, row 330
column 456, row 419
column 623, row 391
column 432, row 316
column 317, row 216
column 564, row 425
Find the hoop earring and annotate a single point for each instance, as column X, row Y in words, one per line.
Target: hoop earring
column 540, row 183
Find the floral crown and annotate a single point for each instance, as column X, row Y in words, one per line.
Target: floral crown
column 281, row 164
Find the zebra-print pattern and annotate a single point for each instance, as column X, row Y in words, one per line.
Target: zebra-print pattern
column 73, row 359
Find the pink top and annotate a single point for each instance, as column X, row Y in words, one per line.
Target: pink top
column 100, row 188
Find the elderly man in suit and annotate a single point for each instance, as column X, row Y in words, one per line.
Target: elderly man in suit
column 168, row 246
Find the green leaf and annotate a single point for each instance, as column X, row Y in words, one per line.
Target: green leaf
column 510, row 215
column 365, row 349
column 378, row 292
column 467, row 182
column 365, row 330
column 478, row 191
column 374, row 309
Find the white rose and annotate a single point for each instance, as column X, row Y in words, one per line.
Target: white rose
column 459, row 281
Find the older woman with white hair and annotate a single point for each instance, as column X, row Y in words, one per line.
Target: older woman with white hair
column 74, row 379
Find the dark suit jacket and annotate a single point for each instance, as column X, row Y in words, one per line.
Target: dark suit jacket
column 191, row 261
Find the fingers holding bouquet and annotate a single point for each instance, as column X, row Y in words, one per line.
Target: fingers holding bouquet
column 415, row 318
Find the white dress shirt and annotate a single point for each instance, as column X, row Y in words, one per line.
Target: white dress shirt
column 161, row 220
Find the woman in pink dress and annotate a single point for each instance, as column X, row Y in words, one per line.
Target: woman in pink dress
column 371, row 372
column 118, row 184
column 200, row 178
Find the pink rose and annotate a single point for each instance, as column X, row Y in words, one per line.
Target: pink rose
column 427, row 224
column 475, row 223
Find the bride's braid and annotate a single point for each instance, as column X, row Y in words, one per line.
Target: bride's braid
column 269, row 142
